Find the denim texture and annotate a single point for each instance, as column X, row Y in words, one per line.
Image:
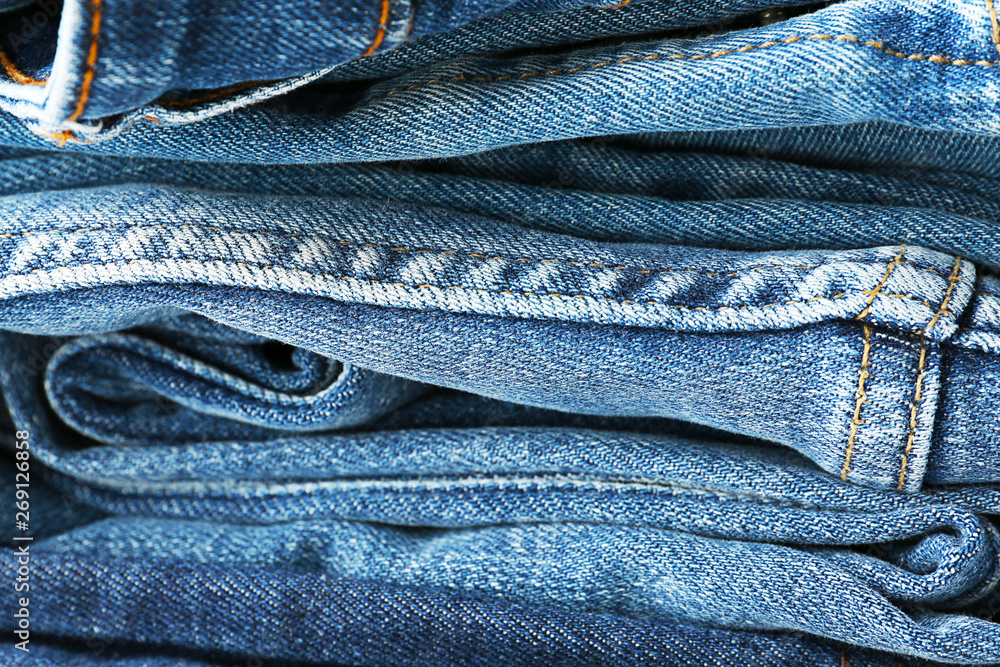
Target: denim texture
column 361, row 612
column 501, row 332
column 186, row 54
column 939, row 55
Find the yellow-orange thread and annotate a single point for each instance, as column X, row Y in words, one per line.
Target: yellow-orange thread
column 59, row 137
column 380, row 34
column 17, row 75
column 953, row 280
column 88, row 77
column 878, row 288
column 917, row 397
column 862, row 398
column 996, row 25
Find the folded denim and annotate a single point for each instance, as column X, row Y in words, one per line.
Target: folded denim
column 309, row 618
column 186, row 54
column 652, row 529
column 494, row 406
column 939, row 56
column 651, row 196
column 584, row 519
column 850, row 344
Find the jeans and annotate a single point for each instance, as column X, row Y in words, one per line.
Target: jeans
column 529, row 332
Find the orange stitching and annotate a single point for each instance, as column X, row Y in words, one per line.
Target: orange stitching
column 953, row 280
column 993, row 21
column 878, row 46
column 861, row 400
column 619, row 5
column 380, row 35
column 60, row 138
column 917, row 398
column 358, row 244
column 878, row 288
column 844, row 662
column 16, row 74
column 88, row 78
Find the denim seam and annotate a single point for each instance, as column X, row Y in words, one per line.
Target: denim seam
column 400, row 249
column 953, row 280
column 862, row 398
column 914, row 405
column 380, row 33
column 166, row 261
column 918, row 396
column 878, row 288
column 17, row 75
column 877, row 45
column 144, row 490
column 88, row 77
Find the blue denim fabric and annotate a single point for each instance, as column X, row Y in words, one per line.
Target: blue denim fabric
column 376, row 624
column 938, row 55
column 461, row 276
column 670, row 336
column 191, row 53
column 612, row 513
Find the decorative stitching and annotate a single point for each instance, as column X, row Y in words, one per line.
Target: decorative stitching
column 878, row 288
column 917, row 398
column 877, row 45
column 844, row 661
column 16, row 74
column 861, row 400
column 88, row 77
column 380, row 34
column 618, row 6
column 399, row 249
column 953, row 280
column 229, row 262
column 993, row 21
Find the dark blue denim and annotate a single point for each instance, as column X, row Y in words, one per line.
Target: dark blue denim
column 305, row 619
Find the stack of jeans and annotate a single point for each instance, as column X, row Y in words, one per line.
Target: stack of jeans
column 500, row 332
